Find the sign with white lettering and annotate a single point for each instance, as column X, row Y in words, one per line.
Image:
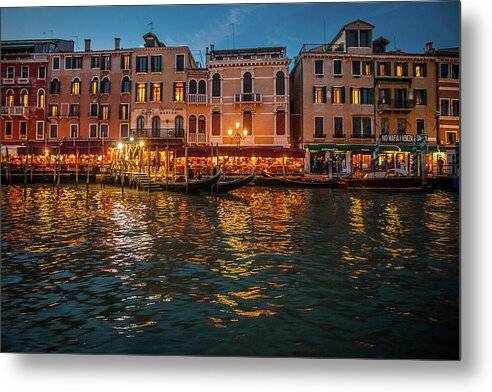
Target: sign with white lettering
column 402, row 138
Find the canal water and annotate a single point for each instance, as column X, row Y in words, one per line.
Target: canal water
column 262, row 272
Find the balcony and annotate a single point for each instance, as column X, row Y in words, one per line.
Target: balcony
column 197, row 138
column 23, row 80
column 15, row 110
column 160, row 133
column 197, row 98
column 8, row 81
column 396, row 105
column 319, row 135
column 248, row 98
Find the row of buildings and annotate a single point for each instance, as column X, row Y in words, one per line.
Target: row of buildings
column 339, row 99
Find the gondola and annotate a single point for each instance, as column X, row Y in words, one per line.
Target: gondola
column 202, row 185
column 397, row 183
column 227, row 186
column 301, row 183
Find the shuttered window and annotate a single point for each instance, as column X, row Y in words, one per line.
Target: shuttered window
column 216, row 123
column 280, row 122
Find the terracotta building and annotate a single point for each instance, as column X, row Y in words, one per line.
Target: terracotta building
column 249, row 96
column 351, row 97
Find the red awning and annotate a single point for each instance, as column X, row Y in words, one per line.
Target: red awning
column 266, row 152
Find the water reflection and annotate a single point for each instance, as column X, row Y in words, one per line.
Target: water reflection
column 260, row 272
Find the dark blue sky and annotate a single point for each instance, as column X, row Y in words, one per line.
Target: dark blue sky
column 408, row 25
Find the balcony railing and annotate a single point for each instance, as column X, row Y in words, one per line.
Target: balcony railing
column 247, row 97
column 159, row 133
column 363, row 135
column 397, row 104
column 197, row 98
column 339, row 136
column 319, row 135
column 23, row 80
column 198, row 138
column 15, row 110
column 8, row 80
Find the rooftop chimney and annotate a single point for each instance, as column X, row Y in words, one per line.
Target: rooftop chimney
column 87, row 45
column 212, row 47
column 117, row 43
column 428, row 47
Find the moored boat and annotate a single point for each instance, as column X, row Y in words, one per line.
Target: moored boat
column 399, row 183
column 195, row 186
column 300, row 182
column 227, row 186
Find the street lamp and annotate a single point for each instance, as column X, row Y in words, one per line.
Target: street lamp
column 237, row 135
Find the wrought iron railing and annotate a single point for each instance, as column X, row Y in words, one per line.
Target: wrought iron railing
column 247, row 97
column 197, row 98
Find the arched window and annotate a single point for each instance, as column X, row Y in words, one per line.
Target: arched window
column 192, row 124
column 216, row 85
column 192, row 87
column 24, row 98
column 140, row 125
column 75, row 89
column 9, row 98
column 105, row 85
column 247, row 83
column 202, row 87
column 41, row 99
column 156, row 126
column 94, row 86
column 125, row 85
column 280, row 83
column 178, row 125
column 55, row 86
column 202, row 124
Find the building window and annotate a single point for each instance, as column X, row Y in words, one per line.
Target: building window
column 444, row 70
column 319, row 94
column 318, row 67
column 73, row 62
column 180, row 62
column 337, row 68
column 280, row 83
column 338, row 127
column 202, row 124
column 355, row 96
column 140, row 124
column 74, row 110
column 318, row 127
column 192, row 124
column 41, row 99
column 125, row 62
column 366, row 96
column 401, row 98
column 104, row 112
column 94, row 89
column 8, row 129
column 192, row 87
column 356, row 68
column 216, row 123
column 455, row 108
column 384, row 126
column 42, row 72
column 53, row 131
column 455, row 71
column 420, row 70
column 25, row 72
column 55, row 86
column 9, row 98
column 10, row 72
column 420, row 126
column 141, row 64
column 451, row 137
column 365, row 38
column 39, row 130
column 74, row 131
column 401, row 69
column 216, row 85
column 141, row 92
column 55, row 63
column 156, row 126
column 23, row 129
column 24, row 96
column 247, row 83
column 444, row 107
column 94, row 110
column 124, row 111
column 367, row 68
column 384, row 69
column 361, row 127
column 53, row 112
column 155, row 63
column 338, row 95
column 124, row 130
column 401, row 126
column 104, row 131
column 126, row 85
column 179, row 91
column 384, row 96
column 105, row 85
column 420, row 96
column 92, row 130
column 95, row 62
column 352, row 38
column 248, row 122
column 156, row 92
column 280, row 122
column 178, row 125
column 105, row 65
column 202, row 87
column 75, row 89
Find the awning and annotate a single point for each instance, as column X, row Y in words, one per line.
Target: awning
column 264, row 151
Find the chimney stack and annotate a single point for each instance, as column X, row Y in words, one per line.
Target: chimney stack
column 428, row 47
column 87, row 45
column 117, row 43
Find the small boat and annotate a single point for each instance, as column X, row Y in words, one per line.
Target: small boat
column 301, row 182
column 227, row 186
column 195, row 186
column 397, row 183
